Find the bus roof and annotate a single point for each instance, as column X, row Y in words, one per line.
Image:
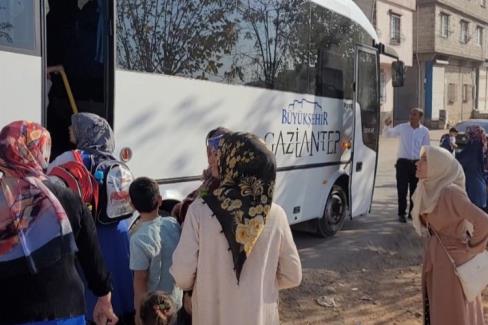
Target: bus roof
column 349, row 9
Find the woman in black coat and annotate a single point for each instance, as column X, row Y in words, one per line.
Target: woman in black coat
column 45, row 230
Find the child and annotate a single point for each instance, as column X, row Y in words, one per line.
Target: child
column 448, row 141
column 157, row 308
column 152, row 244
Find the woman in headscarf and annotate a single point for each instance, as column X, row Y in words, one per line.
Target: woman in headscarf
column 453, row 225
column 43, row 227
column 236, row 249
column 210, row 182
column 210, row 179
column 93, row 135
column 472, row 158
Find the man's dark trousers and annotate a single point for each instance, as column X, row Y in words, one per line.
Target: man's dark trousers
column 406, row 179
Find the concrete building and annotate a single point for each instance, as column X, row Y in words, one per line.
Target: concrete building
column 450, row 73
column 393, row 20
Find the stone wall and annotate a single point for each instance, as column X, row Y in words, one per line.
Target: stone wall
column 459, row 76
column 483, row 90
column 424, row 40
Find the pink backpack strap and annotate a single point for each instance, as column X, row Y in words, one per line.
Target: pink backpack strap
column 77, row 156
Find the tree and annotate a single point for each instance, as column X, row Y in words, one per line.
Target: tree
column 326, row 30
column 266, row 27
column 328, row 49
column 4, row 34
column 175, row 37
column 5, row 26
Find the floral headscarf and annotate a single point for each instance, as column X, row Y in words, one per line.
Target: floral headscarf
column 93, row 133
column 243, row 199
column 31, row 215
column 24, row 149
column 477, row 143
column 476, row 133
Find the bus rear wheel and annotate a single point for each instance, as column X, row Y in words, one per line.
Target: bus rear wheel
column 335, row 213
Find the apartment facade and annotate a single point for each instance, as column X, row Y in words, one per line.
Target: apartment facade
column 393, row 20
column 449, row 79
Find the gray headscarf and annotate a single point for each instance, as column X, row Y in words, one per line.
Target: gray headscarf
column 93, row 133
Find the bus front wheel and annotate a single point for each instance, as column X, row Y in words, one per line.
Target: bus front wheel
column 335, row 213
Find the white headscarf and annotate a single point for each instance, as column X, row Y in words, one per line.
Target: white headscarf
column 442, row 170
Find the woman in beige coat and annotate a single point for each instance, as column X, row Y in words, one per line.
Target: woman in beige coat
column 442, row 206
column 236, row 249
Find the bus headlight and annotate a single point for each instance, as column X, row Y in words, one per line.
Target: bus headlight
column 346, row 144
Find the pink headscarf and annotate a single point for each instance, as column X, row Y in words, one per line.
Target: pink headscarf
column 24, row 154
column 476, row 133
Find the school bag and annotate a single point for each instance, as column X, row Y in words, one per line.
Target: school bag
column 76, row 177
column 113, row 178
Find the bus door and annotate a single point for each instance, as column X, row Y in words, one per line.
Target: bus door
column 79, row 49
column 366, row 130
column 21, row 62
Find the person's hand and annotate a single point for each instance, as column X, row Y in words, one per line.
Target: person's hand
column 103, row 312
column 468, row 229
column 54, row 69
column 187, row 303
column 388, row 121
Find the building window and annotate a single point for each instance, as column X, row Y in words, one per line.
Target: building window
column 445, row 25
column 395, row 23
column 479, row 36
column 466, row 93
column 464, row 35
column 382, row 87
column 451, row 93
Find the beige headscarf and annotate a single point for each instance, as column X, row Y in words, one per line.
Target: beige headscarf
column 442, row 170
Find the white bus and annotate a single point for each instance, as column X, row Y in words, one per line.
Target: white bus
column 303, row 75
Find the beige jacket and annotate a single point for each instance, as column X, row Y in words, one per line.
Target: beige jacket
column 203, row 263
column 452, row 218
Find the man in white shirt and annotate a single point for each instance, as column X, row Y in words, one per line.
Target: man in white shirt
column 413, row 135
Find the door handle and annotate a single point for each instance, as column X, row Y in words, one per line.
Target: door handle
column 359, row 166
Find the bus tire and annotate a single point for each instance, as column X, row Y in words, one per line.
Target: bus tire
column 335, row 213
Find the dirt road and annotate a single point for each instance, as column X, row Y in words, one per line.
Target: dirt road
column 369, row 273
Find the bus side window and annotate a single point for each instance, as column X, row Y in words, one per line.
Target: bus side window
column 17, row 25
column 329, row 81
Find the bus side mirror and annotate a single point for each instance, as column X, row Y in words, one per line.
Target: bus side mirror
column 398, row 73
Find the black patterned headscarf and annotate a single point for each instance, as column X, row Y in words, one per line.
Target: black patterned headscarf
column 243, row 199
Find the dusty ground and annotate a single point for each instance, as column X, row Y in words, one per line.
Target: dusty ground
column 369, row 273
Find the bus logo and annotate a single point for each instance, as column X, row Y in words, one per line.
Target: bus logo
column 303, row 112
column 305, row 132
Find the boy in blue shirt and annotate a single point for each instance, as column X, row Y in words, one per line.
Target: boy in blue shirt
column 152, row 244
column 448, row 141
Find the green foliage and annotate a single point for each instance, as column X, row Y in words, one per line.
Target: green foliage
column 4, row 31
column 175, row 37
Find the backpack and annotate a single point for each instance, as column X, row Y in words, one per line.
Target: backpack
column 76, row 177
column 114, row 178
